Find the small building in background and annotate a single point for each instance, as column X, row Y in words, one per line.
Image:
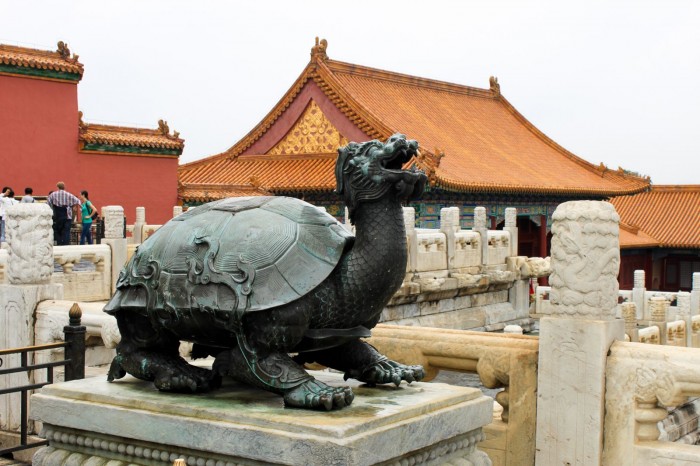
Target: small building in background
column 475, row 147
column 43, row 139
column 660, row 234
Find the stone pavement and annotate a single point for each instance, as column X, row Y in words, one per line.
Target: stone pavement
column 6, row 462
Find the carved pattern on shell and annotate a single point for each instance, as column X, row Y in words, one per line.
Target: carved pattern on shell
column 313, row 133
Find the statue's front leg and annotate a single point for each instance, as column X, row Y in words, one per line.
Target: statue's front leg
column 360, row 360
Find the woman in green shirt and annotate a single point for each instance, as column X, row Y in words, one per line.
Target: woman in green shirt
column 86, row 212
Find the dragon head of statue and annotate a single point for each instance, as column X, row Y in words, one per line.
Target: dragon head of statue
column 368, row 171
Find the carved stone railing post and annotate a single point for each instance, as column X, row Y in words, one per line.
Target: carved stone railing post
column 409, row 220
column 695, row 295
column 30, row 240
column 138, row 224
column 177, row 210
column 638, row 294
column 29, row 270
column 449, row 225
column 481, row 228
column 511, row 226
column 683, row 313
column 658, row 315
column 629, row 314
column 114, row 237
column 576, row 337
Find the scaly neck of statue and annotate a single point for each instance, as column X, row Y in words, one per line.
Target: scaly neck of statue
column 376, row 265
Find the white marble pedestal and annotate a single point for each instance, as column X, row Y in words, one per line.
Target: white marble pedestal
column 93, row 422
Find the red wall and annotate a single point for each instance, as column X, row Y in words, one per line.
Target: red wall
column 39, row 147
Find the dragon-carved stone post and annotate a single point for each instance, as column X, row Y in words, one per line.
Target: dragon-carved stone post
column 576, row 337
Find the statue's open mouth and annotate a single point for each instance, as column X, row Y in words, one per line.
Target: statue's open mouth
column 409, row 183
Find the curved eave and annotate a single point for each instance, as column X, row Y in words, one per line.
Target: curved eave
column 533, row 189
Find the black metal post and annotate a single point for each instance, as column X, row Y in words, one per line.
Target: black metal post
column 75, row 349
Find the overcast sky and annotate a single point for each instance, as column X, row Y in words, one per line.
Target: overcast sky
column 613, row 82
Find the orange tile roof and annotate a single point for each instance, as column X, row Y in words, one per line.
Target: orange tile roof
column 484, row 144
column 206, row 192
column 633, row 237
column 153, row 139
column 23, row 57
column 270, row 174
column 670, row 214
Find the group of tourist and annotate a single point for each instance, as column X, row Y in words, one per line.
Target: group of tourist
column 7, row 199
column 65, row 207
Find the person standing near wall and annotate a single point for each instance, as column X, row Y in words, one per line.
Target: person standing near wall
column 6, row 200
column 87, row 212
column 63, row 204
column 28, row 195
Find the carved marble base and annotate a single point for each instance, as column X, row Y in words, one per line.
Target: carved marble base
column 129, row 422
column 571, row 389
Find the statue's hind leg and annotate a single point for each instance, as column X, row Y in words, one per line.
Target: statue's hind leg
column 278, row 373
column 259, row 358
column 153, row 355
column 360, row 360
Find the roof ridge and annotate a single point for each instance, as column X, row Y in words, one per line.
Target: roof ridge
column 675, row 187
column 30, row 51
column 401, row 78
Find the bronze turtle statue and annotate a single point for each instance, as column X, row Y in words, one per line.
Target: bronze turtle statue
column 253, row 280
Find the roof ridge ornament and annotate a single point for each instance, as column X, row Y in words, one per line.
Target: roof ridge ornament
column 494, row 86
column 318, row 51
column 164, row 129
column 63, row 50
column 430, row 161
column 82, row 126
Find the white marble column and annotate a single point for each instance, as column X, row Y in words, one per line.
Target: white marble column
column 576, row 337
column 30, row 241
column 29, row 269
column 138, row 224
column 449, row 225
column 695, row 295
column 639, row 294
column 409, row 221
column 683, row 307
column 483, row 230
column 511, row 226
column 113, row 216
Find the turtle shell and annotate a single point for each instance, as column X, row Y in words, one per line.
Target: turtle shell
column 248, row 254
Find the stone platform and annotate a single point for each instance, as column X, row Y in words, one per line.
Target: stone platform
column 93, row 422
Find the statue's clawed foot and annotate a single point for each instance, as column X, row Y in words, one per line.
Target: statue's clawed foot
column 313, row 394
column 387, row 371
column 167, row 372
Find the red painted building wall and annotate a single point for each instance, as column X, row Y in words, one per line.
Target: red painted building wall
column 39, row 147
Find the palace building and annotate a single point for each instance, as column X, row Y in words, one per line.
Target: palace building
column 43, row 139
column 660, row 234
column 476, row 149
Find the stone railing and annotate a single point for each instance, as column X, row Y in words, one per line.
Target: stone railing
column 642, row 381
column 102, row 333
column 91, row 280
column 501, row 360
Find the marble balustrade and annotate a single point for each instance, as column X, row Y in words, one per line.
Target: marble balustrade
column 501, row 360
column 92, row 284
column 642, row 381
